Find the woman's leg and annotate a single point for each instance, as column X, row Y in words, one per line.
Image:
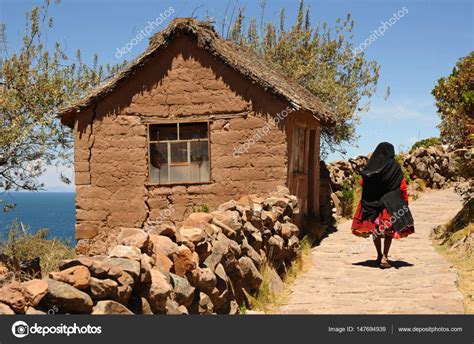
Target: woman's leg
column 378, row 247
column 386, row 248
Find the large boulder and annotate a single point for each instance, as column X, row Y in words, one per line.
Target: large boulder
column 66, row 298
column 163, row 245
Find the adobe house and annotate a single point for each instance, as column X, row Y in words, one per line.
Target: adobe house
column 193, row 120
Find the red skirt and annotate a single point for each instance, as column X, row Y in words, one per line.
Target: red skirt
column 365, row 228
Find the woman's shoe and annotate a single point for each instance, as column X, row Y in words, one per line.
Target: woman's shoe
column 384, row 263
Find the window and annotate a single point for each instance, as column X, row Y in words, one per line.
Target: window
column 179, row 153
column 298, row 151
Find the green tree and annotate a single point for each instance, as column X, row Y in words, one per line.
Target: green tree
column 454, row 96
column 36, row 81
column 320, row 58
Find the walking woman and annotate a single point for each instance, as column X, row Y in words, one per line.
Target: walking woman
column 383, row 210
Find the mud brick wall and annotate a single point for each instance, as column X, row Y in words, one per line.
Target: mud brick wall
column 111, row 152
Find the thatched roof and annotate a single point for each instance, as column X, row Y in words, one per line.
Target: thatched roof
column 242, row 60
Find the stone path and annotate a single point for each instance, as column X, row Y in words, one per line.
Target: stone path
column 344, row 279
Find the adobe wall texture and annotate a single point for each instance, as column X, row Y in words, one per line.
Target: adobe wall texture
column 111, row 154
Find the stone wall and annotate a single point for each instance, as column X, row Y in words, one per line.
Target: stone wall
column 205, row 266
column 433, row 165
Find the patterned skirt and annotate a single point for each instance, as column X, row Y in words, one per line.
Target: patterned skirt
column 381, row 227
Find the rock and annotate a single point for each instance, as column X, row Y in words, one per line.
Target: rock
column 271, row 202
column 103, row 289
column 145, row 307
column 166, row 229
column 184, row 292
column 159, row 291
column 183, row 310
column 275, row 247
column 77, row 276
column 204, row 250
column 183, row 261
column 36, row 289
column 275, row 284
column 123, row 294
column 146, row 263
column 66, row 298
column 15, row 296
column 250, row 252
column 193, row 234
column 256, row 241
column 163, row 245
column 220, row 247
column 133, row 237
column 229, row 221
column 125, row 279
column 5, row 309
column 197, row 219
column 163, row 263
column 110, row 307
column 205, row 305
column 104, row 267
column 203, row 279
column 128, row 252
column 172, row 307
column 288, row 230
column 252, row 277
column 230, row 205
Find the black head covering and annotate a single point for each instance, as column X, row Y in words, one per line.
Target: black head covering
column 382, row 175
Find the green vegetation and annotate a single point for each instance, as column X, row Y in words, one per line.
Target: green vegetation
column 320, row 58
column 22, row 245
column 35, row 82
column 347, row 200
column 454, row 96
column 204, row 208
column 266, row 300
column 455, row 240
column 425, row 143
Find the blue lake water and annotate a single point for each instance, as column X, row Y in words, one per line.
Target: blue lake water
column 52, row 210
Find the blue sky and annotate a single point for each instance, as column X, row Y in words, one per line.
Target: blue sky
column 419, row 48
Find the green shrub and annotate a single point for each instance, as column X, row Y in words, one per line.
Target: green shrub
column 22, row 245
column 425, row 143
column 347, row 200
column 204, row 208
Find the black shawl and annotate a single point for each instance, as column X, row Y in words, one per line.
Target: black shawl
column 381, row 176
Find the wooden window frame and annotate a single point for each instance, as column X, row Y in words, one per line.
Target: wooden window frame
column 168, row 142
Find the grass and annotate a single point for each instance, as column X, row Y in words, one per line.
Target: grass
column 269, row 302
column 22, row 245
column 452, row 241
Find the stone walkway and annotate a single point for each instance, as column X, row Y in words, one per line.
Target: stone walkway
column 344, row 279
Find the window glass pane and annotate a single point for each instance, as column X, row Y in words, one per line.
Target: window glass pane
column 180, row 174
column 200, row 162
column 179, row 153
column 163, row 132
column 190, row 131
column 159, row 163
